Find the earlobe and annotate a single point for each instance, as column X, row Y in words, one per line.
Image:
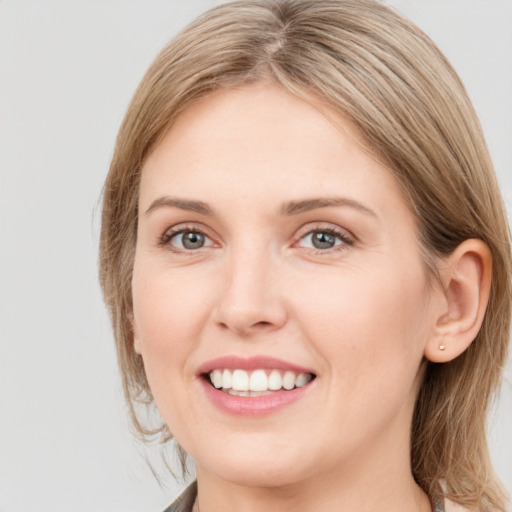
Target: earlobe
column 466, row 280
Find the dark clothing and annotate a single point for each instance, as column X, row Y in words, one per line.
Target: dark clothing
column 185, row 501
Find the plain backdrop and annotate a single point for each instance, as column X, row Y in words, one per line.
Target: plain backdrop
column 67, row 71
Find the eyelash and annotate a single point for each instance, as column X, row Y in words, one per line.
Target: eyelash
column 346, row 240
column 166, row 238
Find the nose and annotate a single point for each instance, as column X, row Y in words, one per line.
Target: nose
column 251, row 299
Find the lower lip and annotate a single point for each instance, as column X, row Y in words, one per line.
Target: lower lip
column 252, row 405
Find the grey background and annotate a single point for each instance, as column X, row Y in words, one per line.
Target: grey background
column 67, row 71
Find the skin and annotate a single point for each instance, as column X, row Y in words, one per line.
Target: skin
column 361, row 314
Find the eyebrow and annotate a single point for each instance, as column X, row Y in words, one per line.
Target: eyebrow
column 296, row 207
column 287, row 208
column 183, row 204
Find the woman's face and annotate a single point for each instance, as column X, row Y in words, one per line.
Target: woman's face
column 274, row 252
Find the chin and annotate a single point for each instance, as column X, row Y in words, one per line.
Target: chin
column 252, row 476
column 256, row 468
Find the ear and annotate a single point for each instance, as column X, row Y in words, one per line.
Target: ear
column 136, row 340
column 466, row 281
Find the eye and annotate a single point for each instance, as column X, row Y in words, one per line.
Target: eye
column 324, row 239
column 187, row 240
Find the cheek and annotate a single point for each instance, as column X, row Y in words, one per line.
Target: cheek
column 369, row 323
column 169, row 314
column 167, row 306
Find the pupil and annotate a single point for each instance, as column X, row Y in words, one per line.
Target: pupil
column 323, row 240
column 193, row 240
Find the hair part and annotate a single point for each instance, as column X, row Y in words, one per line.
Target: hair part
column 379, row 71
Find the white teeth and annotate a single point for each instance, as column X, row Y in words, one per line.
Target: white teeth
column 217, row 378
column 240, row 380
column 238, row 393
column 227, row 380
column 248, row 393
column 258, row 382
column 302, row 379
column 289, row 380
column 275, row 381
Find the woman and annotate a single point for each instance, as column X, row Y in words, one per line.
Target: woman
column 306, row 259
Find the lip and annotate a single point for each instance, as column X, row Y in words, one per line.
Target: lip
column 250, row 363
column 251, row 405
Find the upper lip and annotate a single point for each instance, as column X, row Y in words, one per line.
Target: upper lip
column 250, row 363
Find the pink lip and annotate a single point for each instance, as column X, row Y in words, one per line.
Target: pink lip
column 250, row 363
column 253, row 405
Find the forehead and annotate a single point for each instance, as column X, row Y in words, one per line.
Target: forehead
column 262, row 141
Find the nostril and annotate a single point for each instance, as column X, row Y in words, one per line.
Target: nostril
column 262, row 324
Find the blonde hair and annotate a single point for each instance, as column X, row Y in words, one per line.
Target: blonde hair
column 385, row 75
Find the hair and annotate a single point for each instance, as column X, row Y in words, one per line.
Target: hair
column 383, row 74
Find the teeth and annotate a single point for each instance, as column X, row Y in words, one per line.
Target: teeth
column 216, row 378
column 289, row 380
column 258, row 382
column 302, row 379
column 238, row 393
column 227, row 379
column 275, row 381
column 240, row 380
column 248, row 393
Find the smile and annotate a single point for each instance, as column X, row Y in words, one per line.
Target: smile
column 254, row 386
column 258, row 382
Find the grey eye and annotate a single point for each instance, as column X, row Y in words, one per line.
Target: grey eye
column 321, row 240
column 189, row 240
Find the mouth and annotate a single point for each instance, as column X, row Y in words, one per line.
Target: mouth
column 258, row 382
column 254, row 386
